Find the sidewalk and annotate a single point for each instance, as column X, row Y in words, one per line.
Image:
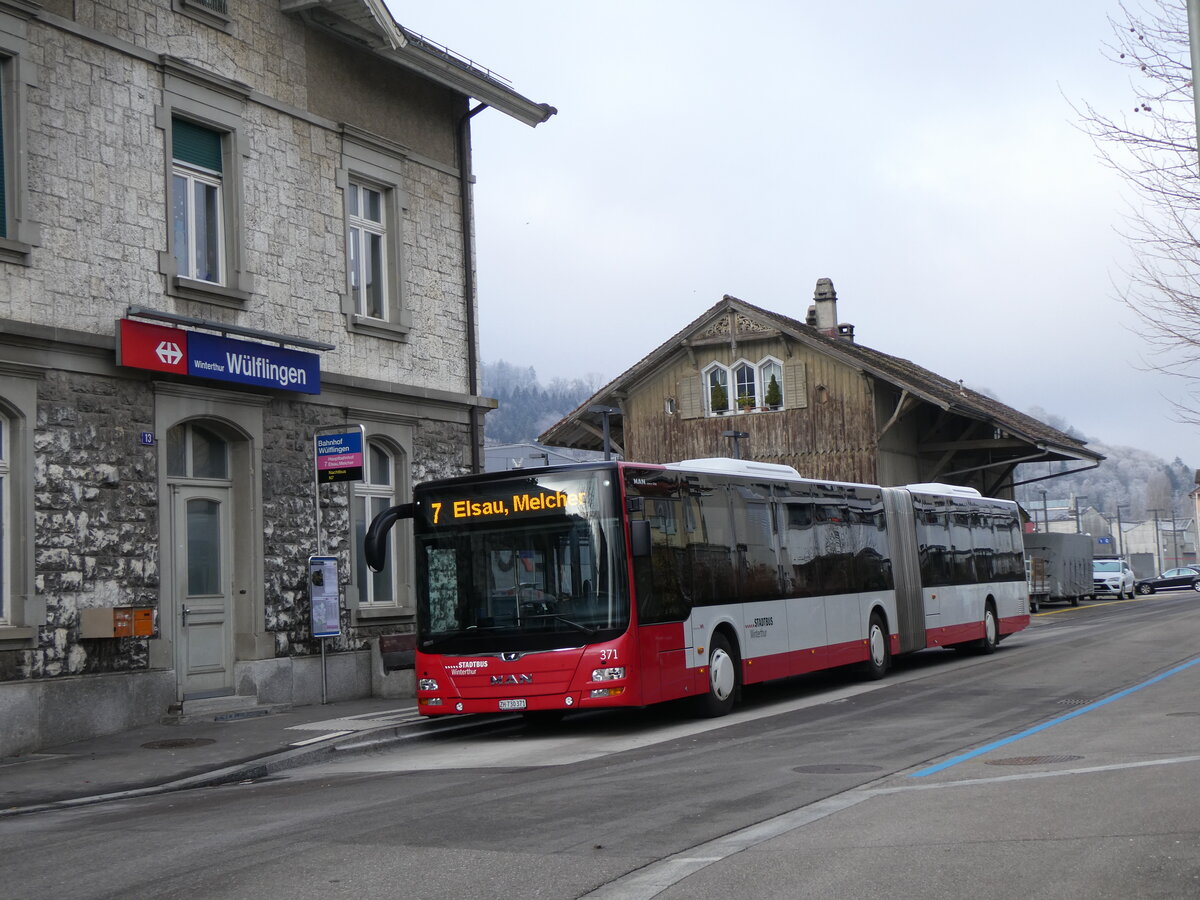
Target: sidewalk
column 218, row 749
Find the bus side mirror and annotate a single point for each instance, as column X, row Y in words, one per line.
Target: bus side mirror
column 375, row 544
column 639, row 538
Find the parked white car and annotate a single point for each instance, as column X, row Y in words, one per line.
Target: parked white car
column 1112, row 576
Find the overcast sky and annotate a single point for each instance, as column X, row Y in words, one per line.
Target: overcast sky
column 922, row 154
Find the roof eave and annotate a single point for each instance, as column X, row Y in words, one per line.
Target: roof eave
column 370, row 24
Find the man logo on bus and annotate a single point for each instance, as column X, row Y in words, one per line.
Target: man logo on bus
column 512, row 679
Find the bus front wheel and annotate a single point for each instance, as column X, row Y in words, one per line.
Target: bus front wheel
column 722, row 679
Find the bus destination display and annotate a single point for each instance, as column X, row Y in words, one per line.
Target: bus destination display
column 531, row 501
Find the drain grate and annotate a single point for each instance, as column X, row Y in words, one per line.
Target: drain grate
column 1074, row 701
column 1032, row 760
column 177, row 743
column 836, row 769
column 1184, row 714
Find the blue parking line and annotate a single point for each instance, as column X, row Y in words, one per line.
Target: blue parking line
column 955, row 760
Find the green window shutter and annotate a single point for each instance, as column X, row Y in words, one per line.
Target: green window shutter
column 196, row 145
column 3, row 170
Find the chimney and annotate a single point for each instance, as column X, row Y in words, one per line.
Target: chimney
column 822, row 315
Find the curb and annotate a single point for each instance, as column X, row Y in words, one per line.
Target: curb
column 254, row 768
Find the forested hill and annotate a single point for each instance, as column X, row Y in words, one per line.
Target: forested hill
column 526, row 407
column 1137, row 479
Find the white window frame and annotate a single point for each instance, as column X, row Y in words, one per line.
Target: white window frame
column 764, row 377
column 395, row 439
column 371, row 162
column 743, row 387
column 366, row 492
column 358, row 228
column 217, row 104
column 708, row 373
column 193, row 176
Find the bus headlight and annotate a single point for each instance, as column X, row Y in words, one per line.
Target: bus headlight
column 612, row 673
column 427, row 684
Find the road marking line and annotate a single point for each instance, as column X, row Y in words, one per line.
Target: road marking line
column 319, row 738
column 1003, row 742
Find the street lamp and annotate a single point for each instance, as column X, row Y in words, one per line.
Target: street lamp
column 605, row 412
column 736, row 436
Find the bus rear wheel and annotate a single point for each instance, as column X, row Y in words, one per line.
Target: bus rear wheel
column 991, row 631
column 879, row 658
column 723, row 679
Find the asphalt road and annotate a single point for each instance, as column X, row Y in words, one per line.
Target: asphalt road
column 1065, row 765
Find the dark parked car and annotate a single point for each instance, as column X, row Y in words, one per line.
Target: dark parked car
column 1187, row 577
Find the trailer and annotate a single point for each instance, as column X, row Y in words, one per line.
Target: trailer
column 1058, row 568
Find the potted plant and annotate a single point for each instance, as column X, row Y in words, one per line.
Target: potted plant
column 774, row 396
column 745, row 402
column 718, row 399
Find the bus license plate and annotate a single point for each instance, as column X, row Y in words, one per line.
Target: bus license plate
column 512, row 704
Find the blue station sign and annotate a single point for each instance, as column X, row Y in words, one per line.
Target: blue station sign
column 201, row 355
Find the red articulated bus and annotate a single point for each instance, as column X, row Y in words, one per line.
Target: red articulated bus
column 623, row 584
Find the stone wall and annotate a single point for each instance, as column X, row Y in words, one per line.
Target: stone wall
column 96, row 521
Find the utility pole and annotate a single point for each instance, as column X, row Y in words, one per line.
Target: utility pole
column 1120, row 536
column 1157, row 541
column 1045, row 514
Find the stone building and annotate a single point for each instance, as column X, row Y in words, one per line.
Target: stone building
column 224, row 227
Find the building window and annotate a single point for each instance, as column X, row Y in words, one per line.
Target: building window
column 746, row 378
column 19, row 234
column 5, row 529
column 366, row 251
column 4, row 130
column 744, row 387
column 375, row 493
column 196, row 205
column 204, row 152
column 374, row 207
column 194, row 451
column 210, row 12
column 772, row 383
column 716, row 395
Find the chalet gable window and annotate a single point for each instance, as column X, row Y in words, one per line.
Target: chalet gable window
column 744, row 387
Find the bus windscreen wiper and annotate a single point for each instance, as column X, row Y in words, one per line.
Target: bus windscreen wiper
column 584, row 628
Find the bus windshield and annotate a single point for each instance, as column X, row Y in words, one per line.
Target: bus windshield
column 533, row 562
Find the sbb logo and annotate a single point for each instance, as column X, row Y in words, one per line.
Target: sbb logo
column 169, row 352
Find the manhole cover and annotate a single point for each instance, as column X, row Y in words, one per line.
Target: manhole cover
column 177, row 743
column 835, row 769
column 1032, row 760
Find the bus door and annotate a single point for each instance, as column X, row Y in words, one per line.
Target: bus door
column 906, row 574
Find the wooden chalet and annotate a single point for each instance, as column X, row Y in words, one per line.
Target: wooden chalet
column 744, row 381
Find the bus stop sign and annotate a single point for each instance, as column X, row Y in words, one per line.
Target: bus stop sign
column 340, row 454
